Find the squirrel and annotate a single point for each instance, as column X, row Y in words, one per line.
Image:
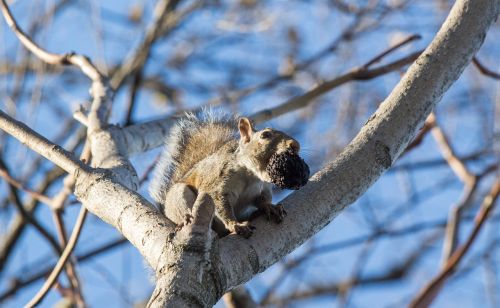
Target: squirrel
column 204, row 153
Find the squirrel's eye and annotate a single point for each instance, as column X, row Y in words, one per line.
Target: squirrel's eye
column 265, row 135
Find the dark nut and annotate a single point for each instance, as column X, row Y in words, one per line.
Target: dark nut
column 288, row 170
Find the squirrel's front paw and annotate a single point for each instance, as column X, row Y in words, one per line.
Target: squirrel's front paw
column 275, row 212
column 243, row 228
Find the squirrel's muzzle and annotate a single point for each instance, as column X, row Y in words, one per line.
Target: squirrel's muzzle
column 288, row 170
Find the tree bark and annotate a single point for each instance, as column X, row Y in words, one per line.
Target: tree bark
column 375, row 148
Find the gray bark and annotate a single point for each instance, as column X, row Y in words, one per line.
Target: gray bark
column 375, row 148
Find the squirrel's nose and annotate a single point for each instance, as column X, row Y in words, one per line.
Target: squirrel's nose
column 294, row 145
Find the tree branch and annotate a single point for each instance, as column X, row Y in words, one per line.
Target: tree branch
column 431, row 290
column 379, row 143
column 62, row 260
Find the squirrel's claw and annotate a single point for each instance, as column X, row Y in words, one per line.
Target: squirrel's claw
column 281, row 211
column 244, row 229
column 188, row 218
column 277, row 212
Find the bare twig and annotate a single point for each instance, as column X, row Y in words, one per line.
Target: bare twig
column 379, row 57
column 27, row 216
column 70, row 266
column 455, row 163
column 43, row 272
column 359, row 74
column 62, row 260
column 164, row 20
column 36, row 195
column 484, row 70
column 100, row 89
column 56, row 154
column 393, row 273
column 454, row 218
column 51, row 58
column 431, row 163
column 132, row 97
column 348, row 33
column 431, row 290
column 18, row 224
column 470, row 183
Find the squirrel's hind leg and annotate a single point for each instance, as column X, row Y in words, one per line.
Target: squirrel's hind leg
column 178, row 207
column 179, row 203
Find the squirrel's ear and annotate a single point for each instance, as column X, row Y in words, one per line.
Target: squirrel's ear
column 246, row 129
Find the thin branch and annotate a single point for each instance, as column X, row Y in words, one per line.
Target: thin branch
column 394, row 273
column 62, row 260
column 15, row 183
column 132, row 97
column 454, row 218
column 379, row 57
column 70, row 266
column 51, row 58
column 43, row 272
column 431, row 163
column 470, row 184
column 18, row 224
column 100, row 89
column 27, row 42
column 347, row 34
column 28, row 217
column 357, row 74
column 458, row 167
column 162, row 11
column 484, row 70
column 40, row 144
column 432, row 289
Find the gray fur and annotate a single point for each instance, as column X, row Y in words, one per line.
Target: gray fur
column 203, row 153
column 177, row 141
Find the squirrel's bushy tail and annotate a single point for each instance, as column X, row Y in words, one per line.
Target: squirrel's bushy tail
column 193, row 138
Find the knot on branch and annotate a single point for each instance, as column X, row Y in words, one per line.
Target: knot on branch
column 66, row 58
column 383, row 154
column 85, row 179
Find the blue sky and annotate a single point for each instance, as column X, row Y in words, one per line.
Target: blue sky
column 219, row 57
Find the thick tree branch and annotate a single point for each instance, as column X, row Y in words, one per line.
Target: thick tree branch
column 40, row 144
column 184, row 276
column 381, row 140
